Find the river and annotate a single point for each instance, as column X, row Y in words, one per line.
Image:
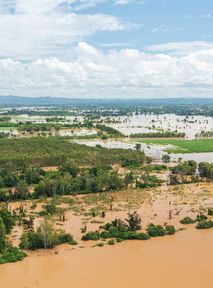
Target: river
column 180, row 261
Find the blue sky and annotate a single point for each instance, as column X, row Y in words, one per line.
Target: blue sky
column 102, row 48
column 160, row 22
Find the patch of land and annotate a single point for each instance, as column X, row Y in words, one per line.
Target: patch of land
column 181, row 145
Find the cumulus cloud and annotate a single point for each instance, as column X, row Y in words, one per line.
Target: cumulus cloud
column 125, row 73
column 42, row 28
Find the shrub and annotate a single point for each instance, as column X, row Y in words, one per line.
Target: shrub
column 91, row 236
column 105, row 234
column 201, row 217
column 155, row 231
column 170, row 230
column 118, row 240
column 187, row 220
column 206, row 224
column 65, row 238
column 134, row 221
column 45, row 237
column 143, row 236
column 119, row 224
column 166, row 158
column 100, row 244
column 7, row 219
column 111, row 242
column 210, row 211
column 11, row 254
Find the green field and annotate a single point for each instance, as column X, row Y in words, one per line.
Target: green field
column 182, row 146
column 2, row 129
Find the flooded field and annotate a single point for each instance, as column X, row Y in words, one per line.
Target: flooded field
column 154, row 151
column 198, row 157
column 148, row 123
column 184, row 260
column 180, row 260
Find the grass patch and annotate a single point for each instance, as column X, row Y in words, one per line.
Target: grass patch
column 183, row 146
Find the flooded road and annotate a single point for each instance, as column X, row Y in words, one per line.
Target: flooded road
column 183, row 260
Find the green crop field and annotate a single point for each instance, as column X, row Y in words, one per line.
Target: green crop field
column 2, row 129
column 182, row 146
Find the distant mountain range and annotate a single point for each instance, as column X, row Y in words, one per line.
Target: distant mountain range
column 56, row 101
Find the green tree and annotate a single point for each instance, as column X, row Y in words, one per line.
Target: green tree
column 138, row 147
column 7, row 219
column 21, row 190
column 166, row 158
column 2, row 235
column 47, row 231
column 134, row 221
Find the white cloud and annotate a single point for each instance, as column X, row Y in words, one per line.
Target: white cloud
column 42, row 28
column 180, row 48
column 126, row 2
column 125, row 73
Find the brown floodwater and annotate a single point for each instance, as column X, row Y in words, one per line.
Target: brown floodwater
column 183, row 260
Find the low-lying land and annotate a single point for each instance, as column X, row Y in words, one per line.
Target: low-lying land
column 123, row 197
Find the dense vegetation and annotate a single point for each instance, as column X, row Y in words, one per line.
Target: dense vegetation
column 8, row 253
column 206, row 170
column 68, row 180
column 111, row 132
column 45, row 237
column 163, row 134
column 55, row 151
column 128, row 230
column 71, row 180
column 184, row 172
column 190, row 168
column 185, row 168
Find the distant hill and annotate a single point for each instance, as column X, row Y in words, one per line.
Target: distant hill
column 56, row 101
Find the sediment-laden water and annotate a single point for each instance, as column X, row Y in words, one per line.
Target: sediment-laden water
column 183, row 260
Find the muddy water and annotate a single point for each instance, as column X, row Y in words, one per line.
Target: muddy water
column 184, row 260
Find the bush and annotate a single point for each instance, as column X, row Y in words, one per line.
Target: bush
column 7, row 219
column 187, row 220
column 91, row 236
column 134, row 221
column 201, row 217
column 210, row 211
column 118, row 240
column 31, row 240
column 11, row 254
column 120, row 236
column 45, row 237
column 65, row 238
column 170, row 230
column 100, row 244
column 148, row 181
column 166, row 158
column 111, row 242
column 155, row 231
column 206, row 224
column 119, row 224
column 143, row 236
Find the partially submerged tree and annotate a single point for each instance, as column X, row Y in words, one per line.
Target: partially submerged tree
column 166, row 158
column 134, row 221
